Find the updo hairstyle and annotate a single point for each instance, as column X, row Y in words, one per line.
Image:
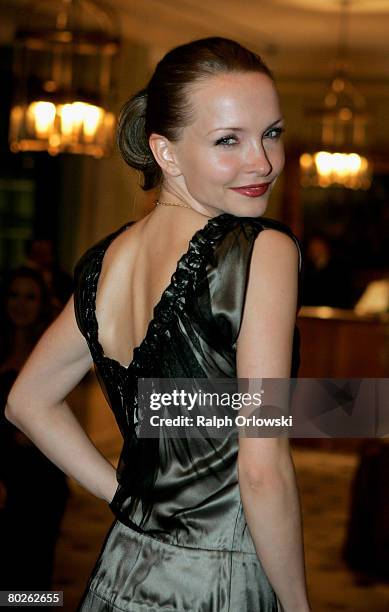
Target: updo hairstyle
column 163, row 107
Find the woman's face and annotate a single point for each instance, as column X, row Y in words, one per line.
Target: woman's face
column 24, row 302
column 232, row 153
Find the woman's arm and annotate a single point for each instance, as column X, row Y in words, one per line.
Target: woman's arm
column 36, row 405
column 266, row 472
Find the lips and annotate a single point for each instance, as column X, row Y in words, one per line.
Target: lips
column 252, row 191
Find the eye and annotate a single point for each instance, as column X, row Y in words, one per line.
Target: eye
column 274, row 133
column 227, row 141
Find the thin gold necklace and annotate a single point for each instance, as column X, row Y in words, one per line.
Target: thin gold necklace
column 181, row 205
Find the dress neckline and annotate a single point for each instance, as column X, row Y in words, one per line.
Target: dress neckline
column 161, row 310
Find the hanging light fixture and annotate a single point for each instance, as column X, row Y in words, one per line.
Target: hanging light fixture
column 64, row 69
column 340, row 128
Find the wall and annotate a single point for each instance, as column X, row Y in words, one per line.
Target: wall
column 109, row 190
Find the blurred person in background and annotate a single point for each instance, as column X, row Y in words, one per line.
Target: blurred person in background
column 33, row 491
column 366, row 545
column 326, row 277
column 41, row 256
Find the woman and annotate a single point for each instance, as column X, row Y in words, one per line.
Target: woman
column 25, row 314
column 207, row 132
column 34, row 491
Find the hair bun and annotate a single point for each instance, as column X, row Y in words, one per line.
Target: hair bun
column 132, row 139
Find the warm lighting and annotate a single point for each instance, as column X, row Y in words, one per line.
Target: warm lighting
column 375, row 298
column 64, row 79
column 346, row 169
column 338, row 131
column 324, row 163
column 41, row 117
column 324, row 312
column 61, row 127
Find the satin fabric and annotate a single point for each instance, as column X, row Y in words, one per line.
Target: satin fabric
column 180, row 541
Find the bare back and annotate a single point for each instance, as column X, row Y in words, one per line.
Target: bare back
column 137, row 268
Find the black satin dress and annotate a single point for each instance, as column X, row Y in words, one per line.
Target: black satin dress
column 180, row 541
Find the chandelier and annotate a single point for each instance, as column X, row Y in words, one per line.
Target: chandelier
column 339, row 125
column 64, row 71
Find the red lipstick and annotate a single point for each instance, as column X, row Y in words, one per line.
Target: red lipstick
column 252, row 191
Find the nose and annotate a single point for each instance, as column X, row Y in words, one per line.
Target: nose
column 257, row 160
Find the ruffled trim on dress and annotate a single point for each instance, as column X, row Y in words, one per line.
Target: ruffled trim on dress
column 146, row 356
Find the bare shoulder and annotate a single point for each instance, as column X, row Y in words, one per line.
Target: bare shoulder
column 122, row 251
column 275, row 247
column 274, row 263
column 118, row 248
column 265, row 339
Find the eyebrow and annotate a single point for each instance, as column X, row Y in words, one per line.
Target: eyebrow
column 238, row 129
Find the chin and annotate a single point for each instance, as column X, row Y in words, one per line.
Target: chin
column 251, row 209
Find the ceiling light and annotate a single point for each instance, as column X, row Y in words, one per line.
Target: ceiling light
column 64, row 69
column 338, row 128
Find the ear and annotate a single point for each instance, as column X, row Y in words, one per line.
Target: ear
column 164, row 153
